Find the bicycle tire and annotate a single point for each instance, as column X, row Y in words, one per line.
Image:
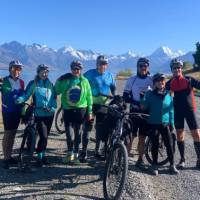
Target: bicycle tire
column 29, row 132
column 112, row 169
column 59, row 121
column 161, row 161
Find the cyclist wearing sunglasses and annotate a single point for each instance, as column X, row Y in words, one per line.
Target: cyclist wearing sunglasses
column 12, row 87
column 135, row 87
column 102, row 83
column 76, row 101
column 184, row 108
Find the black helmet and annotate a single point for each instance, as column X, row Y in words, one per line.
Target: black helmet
column 15, row 63
column 142, row 61
column 176, row 61
column 42, row 67
column 158, row 76
column 76, row 65
column 101, row 60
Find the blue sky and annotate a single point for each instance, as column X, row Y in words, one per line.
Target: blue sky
column 107, row 26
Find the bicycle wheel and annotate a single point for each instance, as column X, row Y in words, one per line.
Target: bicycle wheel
column 30, row 136
column 59, row 121
column 116, row 170
column 162, row 152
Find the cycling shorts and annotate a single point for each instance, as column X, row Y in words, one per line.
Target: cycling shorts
column 139, row 127
column 189, row 116
column 11, row 120
column 76, row 116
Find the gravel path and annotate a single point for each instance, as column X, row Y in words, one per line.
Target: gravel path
column 59, row 181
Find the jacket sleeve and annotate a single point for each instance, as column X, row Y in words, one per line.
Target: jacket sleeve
column 53, row 102
column 113, row 87
column 27, row 93
column 89, row 97
column 171, row 113
column 58, row 88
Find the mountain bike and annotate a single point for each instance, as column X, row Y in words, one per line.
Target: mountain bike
column 59, row 121
column 116, row 167
column 29, row 137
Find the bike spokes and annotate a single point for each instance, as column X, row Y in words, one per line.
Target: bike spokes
column 116, row 172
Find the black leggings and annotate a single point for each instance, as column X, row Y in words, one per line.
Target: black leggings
column 43, row 126
column 73, row 120
column 167, row 139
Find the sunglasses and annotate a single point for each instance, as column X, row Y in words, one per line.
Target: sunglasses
column 160, row 79
column 143, row 65
column 76, row 69
column 176, row 67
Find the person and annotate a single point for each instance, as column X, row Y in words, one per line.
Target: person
column 159, row 102
column 102, row 84
column 184, row 108
column 43, row 96
column 12, row 87
column 76, row 101
column 135, row 87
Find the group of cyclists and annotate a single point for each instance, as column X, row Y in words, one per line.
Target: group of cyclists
column 168, row 103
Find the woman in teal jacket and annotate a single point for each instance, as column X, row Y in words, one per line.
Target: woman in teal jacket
column 160, row 106
column 43, row 96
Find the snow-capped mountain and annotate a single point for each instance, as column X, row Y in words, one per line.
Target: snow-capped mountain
column 60, row 59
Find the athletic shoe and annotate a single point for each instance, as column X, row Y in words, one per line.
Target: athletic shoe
column 140, row 164
column 83, row 157
column 173, row 170
column 181, row 165
column 69, row 158
column 154, row 170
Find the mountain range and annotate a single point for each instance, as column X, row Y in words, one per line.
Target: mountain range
column 60, row 59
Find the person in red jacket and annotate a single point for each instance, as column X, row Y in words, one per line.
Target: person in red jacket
column 184, row 109
column 12, row 87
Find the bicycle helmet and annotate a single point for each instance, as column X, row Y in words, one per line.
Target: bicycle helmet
column 42, row 67
column 142, row 61
column 76, row 65
column 101, row 60
column 158, row 76
column 15, row 63
column 176, row 61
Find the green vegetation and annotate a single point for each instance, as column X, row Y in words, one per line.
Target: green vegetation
column 124, row 74
column 187, row 65
column 196, row 56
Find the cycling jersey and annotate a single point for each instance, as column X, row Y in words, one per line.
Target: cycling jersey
column 75, row 91
column 11, row 90
column 182, row 87
column 134, row 86
column 184, row 100
column 100, row 84
column 43, row 95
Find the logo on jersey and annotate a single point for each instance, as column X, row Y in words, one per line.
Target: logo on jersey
column 74, row 94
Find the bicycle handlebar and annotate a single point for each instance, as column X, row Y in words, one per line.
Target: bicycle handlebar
column 35, row 107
